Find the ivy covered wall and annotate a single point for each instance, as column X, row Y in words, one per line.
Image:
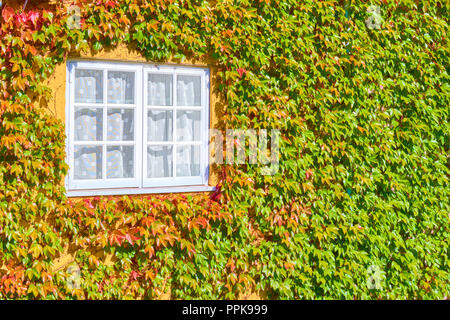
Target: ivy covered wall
column 358, row 208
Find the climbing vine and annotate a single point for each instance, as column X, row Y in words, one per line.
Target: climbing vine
column 361, row 193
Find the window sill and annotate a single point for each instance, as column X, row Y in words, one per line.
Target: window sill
column 131, row 191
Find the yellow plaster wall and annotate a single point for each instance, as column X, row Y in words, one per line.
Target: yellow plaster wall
column 56, row 105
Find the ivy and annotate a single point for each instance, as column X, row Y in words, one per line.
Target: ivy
column 362, row 183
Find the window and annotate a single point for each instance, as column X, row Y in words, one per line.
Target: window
column 132, row 128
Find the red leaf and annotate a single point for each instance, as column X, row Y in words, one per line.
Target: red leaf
column 34, row 16
column 134, row 275
column 88, row 203
column 202, row 222
column 7, row 14
column 241, row 71
column 127, row 236
column 33, row 50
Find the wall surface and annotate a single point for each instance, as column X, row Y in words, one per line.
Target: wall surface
column 356, row 209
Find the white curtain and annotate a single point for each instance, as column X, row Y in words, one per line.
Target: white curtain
column 88, row 127
column 120, row 162
column 159, row 161
column 159, row 125
column 88, row 124
column 188, row 161
column 114, row 164
column 120, row 128
column 120, row 87
column 188, row 91
column 88, row 86
column 160, row 90
column 188, row 125
column 88, row 163
column 120, row 124
column 115, row 125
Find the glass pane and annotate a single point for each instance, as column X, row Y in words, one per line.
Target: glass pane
column 88, row 124
column 188, row 90
column 88, row 86
column 120, row 162
column 88, row 162
column 159, row 161
column 188, row 125
column 120, row 87
column 159, row 125
column 120, row 124
column 188, row 161
column 160, row 89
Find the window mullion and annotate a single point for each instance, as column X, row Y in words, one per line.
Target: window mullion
column 174, row 126
column 105, row 123
column 142, row 135
column 203, row 133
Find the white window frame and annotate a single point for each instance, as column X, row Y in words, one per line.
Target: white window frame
column 140, row 184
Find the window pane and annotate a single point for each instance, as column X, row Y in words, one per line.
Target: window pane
column 160, row 89
column 188, row 90
column 88, row 86
column 88, row 162
column 159, row 161
column 159, row 125
column 120, row 87
column 120, row 162
column 188, row 125
column 88, row 124
column 120, row 124
column 188, row 161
